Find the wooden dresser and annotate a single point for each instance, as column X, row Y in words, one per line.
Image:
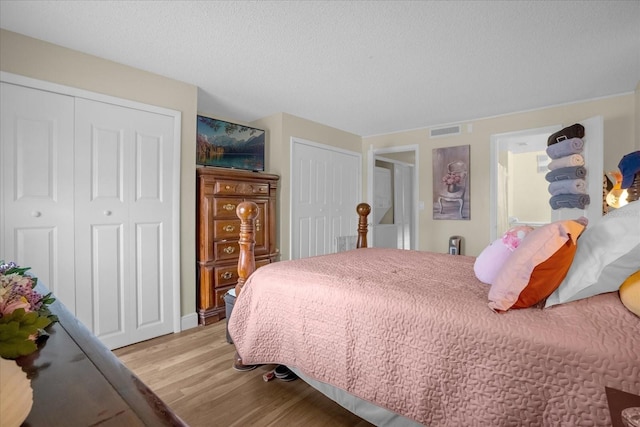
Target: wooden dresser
column 219, row 191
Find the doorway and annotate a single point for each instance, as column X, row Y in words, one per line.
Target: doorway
column 530, row 145
column 518, row 187
column 393, row 191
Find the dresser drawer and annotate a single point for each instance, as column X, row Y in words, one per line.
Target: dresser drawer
column 227, row 249
column 226, row 229
column 226, row 276
column 244, row 188
column 225, row 207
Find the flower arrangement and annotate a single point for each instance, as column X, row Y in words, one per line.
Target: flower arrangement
column 452, row 178
column 23, row 311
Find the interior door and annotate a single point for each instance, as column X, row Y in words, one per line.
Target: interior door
column 36, row 200
column 403, row 204
column 123, row 233
column 325, row 190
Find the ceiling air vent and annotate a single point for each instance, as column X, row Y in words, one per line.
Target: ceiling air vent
column 445, row 131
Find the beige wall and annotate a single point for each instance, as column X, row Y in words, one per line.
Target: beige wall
column 44, row 61
column 620, row 121
column 525, row 204
column 281, row 128
column 637, row 116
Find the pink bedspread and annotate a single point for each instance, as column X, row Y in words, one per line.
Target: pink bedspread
column 412, row 332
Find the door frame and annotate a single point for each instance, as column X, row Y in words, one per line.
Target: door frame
column 175, row 185
column 374, row 153
column 594, row 155
column 496, row 140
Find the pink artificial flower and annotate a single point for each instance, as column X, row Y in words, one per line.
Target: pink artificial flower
column 9, row 306
column 514, row 236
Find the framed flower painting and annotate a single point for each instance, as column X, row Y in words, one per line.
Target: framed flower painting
column 451, row 192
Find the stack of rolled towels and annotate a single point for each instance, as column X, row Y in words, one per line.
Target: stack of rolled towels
column 566, row 178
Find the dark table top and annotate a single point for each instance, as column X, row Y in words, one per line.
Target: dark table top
column 77, row 381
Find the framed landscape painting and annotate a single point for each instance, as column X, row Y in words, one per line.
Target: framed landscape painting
column 229, row 145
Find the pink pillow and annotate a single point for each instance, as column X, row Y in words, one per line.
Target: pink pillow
column 490, row 261
column 540, row 245
column 493, row 257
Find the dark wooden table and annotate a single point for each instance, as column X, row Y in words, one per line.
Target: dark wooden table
column 77, row 381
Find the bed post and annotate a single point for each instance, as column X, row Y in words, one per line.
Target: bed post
column 363, row 210
column 247, row 212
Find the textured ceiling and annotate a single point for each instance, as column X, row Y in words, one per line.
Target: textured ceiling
column 367, row 67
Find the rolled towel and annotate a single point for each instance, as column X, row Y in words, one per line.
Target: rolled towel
column 570, row 172
column 574, row 131
column 563, row 162
column 565, row 148
column 568, row 186
column 578, row 201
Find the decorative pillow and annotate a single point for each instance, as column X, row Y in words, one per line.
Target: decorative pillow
column 492, row 258
column 608, row 252
column 540, row 263
column 630, row 293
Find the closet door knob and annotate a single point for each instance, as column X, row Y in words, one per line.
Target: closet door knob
column 36, row 214
column 107, row 213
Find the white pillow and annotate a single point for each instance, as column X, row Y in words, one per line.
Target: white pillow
column 608, row 252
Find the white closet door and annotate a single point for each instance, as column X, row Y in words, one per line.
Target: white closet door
column 36, row 212
column 325, row 188
column 123, row 233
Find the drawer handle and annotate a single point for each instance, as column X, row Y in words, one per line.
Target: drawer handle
column 227, row 275
column 257, row 225
column 227, row 187
column 229, row 250
column 229, row 207
column 228, row 228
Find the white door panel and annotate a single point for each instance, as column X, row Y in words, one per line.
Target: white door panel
column 89, row 199
column 36, row 227
column 124, row 185
column 325, row 191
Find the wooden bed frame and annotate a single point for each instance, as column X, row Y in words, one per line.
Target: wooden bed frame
column 248, row 211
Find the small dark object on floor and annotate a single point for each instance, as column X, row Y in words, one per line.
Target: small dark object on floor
column 239, row 366
column 285, row 374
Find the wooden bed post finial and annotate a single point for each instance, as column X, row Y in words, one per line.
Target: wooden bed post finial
column 247, row 212
column 363, row 210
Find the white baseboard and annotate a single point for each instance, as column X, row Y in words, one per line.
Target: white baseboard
column 189, row 321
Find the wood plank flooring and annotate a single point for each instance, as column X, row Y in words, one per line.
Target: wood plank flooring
column 191, row 371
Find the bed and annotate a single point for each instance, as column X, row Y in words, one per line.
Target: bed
column 411, row 334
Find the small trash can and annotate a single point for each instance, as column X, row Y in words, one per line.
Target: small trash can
column 229, row 301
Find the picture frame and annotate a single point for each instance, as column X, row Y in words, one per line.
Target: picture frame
column 230, row 145
column 451, row 191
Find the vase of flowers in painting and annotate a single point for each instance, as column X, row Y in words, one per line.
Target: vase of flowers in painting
column 451, row 180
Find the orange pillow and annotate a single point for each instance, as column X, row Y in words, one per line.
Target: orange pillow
column 542, row 245
column 547, row 276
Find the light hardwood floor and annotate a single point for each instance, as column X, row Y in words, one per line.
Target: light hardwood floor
column 191, row 371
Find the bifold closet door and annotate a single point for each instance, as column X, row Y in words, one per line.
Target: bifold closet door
column 123, row 234
column 36, row 191
column 325, row 188
column 87, row 203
